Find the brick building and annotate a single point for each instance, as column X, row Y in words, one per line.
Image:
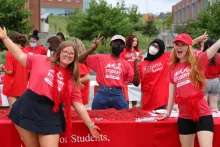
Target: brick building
column 187, row 10
column 53, row 7
column 34, row 5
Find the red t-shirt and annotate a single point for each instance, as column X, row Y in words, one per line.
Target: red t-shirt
column 41, row 81
column 110, row 71
column 213, row 71
column 84, row 70
column 179, row 76
column 131, row 55
column 37, row 50
column 154, row 82
column 16, row 83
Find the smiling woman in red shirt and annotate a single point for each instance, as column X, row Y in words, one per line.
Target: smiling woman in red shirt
column 37, row 114
column 186, row 85
column 15, row 79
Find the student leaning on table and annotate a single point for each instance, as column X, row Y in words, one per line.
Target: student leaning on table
column 186, row 82
column 37, row 114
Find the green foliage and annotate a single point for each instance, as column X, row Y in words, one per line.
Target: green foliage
column 169, row 20
column 102, row 18
column 150, row 28
column 14, row 17
column 208, row 20
column 180, row 29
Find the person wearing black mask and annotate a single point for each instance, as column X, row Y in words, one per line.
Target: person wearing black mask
column 154, row 77
column 112, row 74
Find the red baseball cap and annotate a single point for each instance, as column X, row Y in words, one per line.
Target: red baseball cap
column 184, row 38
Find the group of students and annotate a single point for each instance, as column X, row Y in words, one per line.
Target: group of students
column 166, row 78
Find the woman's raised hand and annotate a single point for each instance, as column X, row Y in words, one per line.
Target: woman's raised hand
column 3, row 33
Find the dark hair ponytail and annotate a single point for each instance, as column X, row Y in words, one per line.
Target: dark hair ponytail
column 35, row 35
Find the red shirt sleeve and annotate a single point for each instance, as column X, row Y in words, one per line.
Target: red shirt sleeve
column 91, row 61
column 9, row 63
column 43, row 50
column 171, row 76
column 84, row 70
column 203, row 60
column 130, row 73
column 76, row 94
column 140, row 55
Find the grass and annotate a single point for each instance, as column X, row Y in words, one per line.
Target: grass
column 57, row 24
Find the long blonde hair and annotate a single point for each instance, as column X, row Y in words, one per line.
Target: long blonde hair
column 197, row 77
column 79, row 45
column 74, row 69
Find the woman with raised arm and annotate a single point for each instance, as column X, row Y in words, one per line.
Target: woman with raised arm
column 212, row 76
column 37, row 114
column 112, row 74
column 186, row 85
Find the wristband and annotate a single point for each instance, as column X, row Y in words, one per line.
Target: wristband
column 91, row 125
column 4, row 38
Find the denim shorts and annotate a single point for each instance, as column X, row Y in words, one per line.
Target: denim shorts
column 212, row 87
column 109, row 97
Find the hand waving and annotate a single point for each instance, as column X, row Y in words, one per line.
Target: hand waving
column 203, row 37
column 3, row 32
column 94, row 132
column 95, row 43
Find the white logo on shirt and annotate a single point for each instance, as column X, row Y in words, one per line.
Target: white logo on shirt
column 50, row 76
column 181, row 77
column 131, row 56
column 153, row 68
column 113, row 71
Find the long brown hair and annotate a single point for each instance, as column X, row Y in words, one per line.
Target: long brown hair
column 74, row 69
column 129, row 41
column 196, row 75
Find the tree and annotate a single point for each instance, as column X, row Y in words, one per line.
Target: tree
column 102, row 18
column 208, row 20
column 150, row 28
column 169, row 20
column 14, row 17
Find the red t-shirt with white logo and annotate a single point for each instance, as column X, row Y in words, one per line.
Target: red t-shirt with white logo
column 131, row 55
column 110, row 71
column 213, row 71
column 84, row 70
column 16, row 83
column 179, row 76
column 37, row 50
column 154, row 82
column 41, row 78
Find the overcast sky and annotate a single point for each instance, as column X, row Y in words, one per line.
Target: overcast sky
column 149, row 6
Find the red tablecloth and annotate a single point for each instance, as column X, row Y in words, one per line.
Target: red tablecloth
column 114, row 134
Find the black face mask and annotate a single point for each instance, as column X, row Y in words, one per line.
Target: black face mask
column 117, row 49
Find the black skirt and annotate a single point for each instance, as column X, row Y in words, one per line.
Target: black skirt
column 33, row 112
